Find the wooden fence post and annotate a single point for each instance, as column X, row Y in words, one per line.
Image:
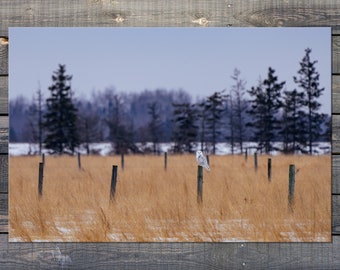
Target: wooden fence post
column 208, row 160
column 291, row 186
column 165, row 160
column 255, row 161
column 41, row 177
column 43, row 159
column 246, row 153
column 269, row 169
column 79, row 161
column 113, row 182
column 200, row 184
column 122, row 161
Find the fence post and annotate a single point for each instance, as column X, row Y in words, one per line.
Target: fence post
column 200, row 184
column 208, row 160
column 41, row 177
column 246, row 153
column 255, row 160
column 122, row 161
column 79, row 161
column 165, row 160
column 291, row 186
column 43, row 159
column 113, row 182
column 269, row 169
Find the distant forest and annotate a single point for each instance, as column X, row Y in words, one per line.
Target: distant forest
column 266, row 113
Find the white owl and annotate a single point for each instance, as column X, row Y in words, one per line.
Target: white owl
column 201, row 160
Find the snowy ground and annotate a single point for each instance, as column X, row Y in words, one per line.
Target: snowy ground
column 104, row 149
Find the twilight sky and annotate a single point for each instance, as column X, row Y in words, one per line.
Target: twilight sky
column 197, row 60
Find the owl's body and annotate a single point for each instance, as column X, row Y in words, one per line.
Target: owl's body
column 201, row 160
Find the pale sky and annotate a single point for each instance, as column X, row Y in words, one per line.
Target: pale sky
column 197, row 60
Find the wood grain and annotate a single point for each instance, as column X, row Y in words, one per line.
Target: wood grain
column 3, row 212
column 336, row 134
column 3, row 94
column 3, row 174
column 336, row 55
column 169, row 256
column 198, row 13
column 3, row 56
column 336, row 94
column 336, row 175
column 168, row 13
column 336, row 215
column 3, row 134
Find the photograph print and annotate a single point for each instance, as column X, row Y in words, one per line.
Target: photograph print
column 170, row 134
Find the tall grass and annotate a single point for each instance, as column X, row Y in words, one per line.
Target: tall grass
column 152, row 204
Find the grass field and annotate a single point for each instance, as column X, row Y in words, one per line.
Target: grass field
column 152, row 204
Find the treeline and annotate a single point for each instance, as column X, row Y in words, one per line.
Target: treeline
column 265, row 113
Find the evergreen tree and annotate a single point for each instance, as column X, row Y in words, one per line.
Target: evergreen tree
column 308, row 80
column 214, row 105
column 61, row 115
column 265, row 106
column 202, row 115
column 293, row 122
column 185, row 128
column 154, row 125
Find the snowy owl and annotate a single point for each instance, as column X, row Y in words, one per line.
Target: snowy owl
column 201, row 160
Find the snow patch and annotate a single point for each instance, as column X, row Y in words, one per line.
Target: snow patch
column 105, row 149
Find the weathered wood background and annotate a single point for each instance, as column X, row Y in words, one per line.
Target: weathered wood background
column 175, row 13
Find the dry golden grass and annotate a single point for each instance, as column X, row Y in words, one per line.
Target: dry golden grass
column 156, row 205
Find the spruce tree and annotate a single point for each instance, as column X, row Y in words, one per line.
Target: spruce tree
column 264, row 110
column 293, row 122
column 154, row 126
column 61, row 115
column 185, row 128
column 308, row 80
column 214, row 106
column 202, row 116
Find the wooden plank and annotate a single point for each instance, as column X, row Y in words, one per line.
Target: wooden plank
column 169, row 255
column 287, row 13
column 3, row 213
column 3, row 94
column 335, row 134
column 336, row 54
column 3, row 134
column 4, row 56
column 336, row 174
column 336, row 94
column 164, row 13
column 336, row 214
column 3, row 173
